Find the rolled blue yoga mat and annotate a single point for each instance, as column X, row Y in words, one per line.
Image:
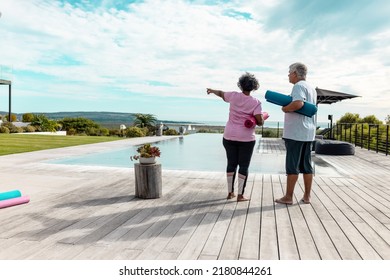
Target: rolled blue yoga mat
column 308, row 109
column 10, row 194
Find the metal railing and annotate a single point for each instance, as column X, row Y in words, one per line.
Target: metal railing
column 369, row 136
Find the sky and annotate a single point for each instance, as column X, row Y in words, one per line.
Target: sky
column 158, row 57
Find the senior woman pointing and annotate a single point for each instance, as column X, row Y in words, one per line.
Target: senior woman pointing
column 238, row 138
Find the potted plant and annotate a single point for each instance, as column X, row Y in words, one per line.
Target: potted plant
column 147, row 154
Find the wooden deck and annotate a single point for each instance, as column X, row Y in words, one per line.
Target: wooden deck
column 91, row 213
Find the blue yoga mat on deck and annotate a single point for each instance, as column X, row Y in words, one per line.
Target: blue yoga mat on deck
column 10, row 194
column 308, row 109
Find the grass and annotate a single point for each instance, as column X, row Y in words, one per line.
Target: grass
column 21, row 143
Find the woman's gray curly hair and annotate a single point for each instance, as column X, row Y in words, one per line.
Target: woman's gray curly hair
column 248, row 82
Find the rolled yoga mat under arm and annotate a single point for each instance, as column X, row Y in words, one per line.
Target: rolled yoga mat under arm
column 307, row 110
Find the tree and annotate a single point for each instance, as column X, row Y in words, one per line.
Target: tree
column 13, row 118
column 349, row 118
column 42, row 123
column 144, row 120
column 28, row 117
column 371, row 119
column 387, row 120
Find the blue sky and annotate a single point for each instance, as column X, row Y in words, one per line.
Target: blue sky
column 159, row 57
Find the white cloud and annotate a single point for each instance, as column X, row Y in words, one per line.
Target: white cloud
column 194, row 45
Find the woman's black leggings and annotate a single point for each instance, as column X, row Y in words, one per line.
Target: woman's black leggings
column 238, row 154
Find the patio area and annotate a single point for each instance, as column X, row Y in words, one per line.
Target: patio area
column 91, row 212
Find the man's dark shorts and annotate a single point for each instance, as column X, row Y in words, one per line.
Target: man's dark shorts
column 298, row 157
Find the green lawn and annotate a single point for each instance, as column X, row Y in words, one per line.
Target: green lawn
column 21, row 143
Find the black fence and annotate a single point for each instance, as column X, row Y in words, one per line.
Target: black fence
column 369, row 136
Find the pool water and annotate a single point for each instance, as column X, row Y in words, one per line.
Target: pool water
column 196, row 152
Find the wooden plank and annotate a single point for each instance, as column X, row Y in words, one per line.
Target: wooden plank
column 167, row 256
column 117, row 221
column 286, row 238
column 145, row 209
column 375, row 203
column 107, row 252
column 195, row 244
column 232, row 244
column 93, row 236
column 324, row 245
column 181, row 238
column 15, row 216
column 361, row 245
column 212, row 248
column 338, row 237
column 362, row 207
column 153, row 247
column 156, row 246
column 185, row 235
column 372, row 235
column 177, row 217
column 306, row 246
column 136, row 230
column 39, row 209
column 56, row 221
column 20, row 250
column 251, row 238
column 64, row 234
column 57, row 251
column 268, row 234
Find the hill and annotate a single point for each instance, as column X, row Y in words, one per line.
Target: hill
column 105, row 119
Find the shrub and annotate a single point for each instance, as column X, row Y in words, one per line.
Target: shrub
column 30, row 128
column 42, row 123
column 116, row 132
column 134, row 132
column 11, row 127
column 171, row 131
column 79, row 125
column 71, row 131
column 91, row 131
column 267, row 133
column 104, row 131
column 4, row 129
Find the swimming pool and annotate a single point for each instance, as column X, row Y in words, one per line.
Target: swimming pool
column 196, row 152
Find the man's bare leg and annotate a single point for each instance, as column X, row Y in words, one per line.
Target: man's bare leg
column 288, row 197
column 308, row 181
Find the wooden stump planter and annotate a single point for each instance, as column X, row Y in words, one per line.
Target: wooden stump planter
column 148, row 180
